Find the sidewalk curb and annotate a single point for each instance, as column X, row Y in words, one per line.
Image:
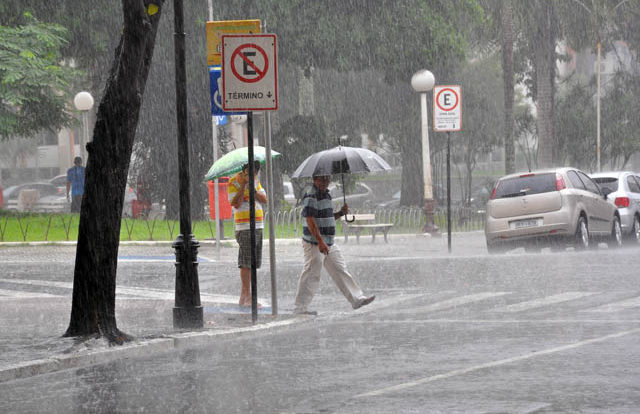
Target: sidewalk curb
column 165, row 344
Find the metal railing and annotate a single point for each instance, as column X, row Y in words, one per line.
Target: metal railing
column 288, row 224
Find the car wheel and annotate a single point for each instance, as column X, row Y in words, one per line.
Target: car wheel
column 634, row 236
column 582, row 234
column 616, row 234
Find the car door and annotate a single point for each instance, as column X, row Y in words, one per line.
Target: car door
column 601, row 214
column 634, row 194
column 581, row 198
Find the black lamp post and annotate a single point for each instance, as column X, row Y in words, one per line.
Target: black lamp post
column 187, row 312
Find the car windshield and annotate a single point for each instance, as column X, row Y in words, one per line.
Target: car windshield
column 610, row 183
column 526, row 185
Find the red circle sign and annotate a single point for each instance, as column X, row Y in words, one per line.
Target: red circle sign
column 449, row 108
column 260, row 72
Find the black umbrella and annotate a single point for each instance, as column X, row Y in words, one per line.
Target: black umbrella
column 341, row 160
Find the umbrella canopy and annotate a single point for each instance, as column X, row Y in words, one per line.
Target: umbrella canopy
column 233, row 161
column 340, row 160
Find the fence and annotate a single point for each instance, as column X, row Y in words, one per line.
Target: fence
column 287, row 224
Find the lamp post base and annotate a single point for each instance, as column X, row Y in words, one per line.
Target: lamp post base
column 188, row 310
column 191, row 317
column 429, row 225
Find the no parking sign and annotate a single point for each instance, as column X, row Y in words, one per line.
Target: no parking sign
column 249, row 72
column 447, row 108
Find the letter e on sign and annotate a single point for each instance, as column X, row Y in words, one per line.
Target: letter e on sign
column 447, row 108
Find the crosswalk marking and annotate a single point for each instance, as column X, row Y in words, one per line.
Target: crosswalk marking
column 135, row 292
column 19, row 294
column 452, row 303
column 617, row 306
column 540, row 302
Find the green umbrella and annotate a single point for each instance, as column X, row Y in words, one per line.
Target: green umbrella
column 232, row 162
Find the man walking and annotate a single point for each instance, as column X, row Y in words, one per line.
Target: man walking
column 75, row 181
column 319, row 229
column 239, row 200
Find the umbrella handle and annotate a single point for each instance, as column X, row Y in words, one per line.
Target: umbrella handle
column 344, row 196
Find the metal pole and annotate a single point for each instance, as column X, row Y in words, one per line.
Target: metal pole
column 187, row 312
column 85, row 136
column 598, row 112
column 252, row 219
column 272, row 236
column 272, row 230
column 214, row 134
column 429, row 203
column 426, row 159
column 449, row 191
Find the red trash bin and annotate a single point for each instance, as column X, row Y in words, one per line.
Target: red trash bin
column 223, row 199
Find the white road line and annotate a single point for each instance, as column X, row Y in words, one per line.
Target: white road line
column 616, row 306
column 538, row 303
column 148, row 293
column 451, row 303
column 19, row 294
column 492, row 364
column 486, row 321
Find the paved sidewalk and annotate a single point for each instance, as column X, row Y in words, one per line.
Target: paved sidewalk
column 31, row 328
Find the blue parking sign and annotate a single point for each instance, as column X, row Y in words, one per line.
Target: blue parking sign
column 215, row 87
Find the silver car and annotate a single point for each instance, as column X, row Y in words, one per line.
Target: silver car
column 624, row 192
column 552, row 207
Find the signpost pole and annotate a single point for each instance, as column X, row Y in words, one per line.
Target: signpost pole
column 252, row 219
column 270, row 207
column 214, row 134
column 447, row 117
column 249, row 83
column 449, row 191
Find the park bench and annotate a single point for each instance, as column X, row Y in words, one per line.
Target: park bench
column 360, row 222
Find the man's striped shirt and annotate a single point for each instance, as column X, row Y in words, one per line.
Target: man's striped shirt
column 317, row 204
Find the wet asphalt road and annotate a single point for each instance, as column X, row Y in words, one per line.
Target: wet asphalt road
column 517, row 333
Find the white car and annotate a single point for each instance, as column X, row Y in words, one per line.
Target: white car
column 551, row 207
column 624, row 193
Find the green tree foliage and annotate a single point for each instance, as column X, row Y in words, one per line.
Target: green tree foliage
column 34, row 83
column 394, row 37
column 576, row 125
column 482, row 96
column 621, row 126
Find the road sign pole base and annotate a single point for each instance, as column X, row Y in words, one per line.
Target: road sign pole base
column 429, row 225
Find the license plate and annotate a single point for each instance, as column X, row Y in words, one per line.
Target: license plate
column 521, row 224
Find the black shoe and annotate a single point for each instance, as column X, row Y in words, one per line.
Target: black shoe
column 363, row 301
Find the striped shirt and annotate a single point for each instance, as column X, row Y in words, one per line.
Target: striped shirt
column 242, row 215
column 317, row 204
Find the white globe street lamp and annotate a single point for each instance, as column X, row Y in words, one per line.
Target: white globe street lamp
column 83, row 101
column 423, row 81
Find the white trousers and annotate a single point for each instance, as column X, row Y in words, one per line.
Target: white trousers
column 310, row 277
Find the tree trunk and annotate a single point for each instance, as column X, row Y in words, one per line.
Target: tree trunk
column 94, row 279
column 544, row 55
column 508, row 76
